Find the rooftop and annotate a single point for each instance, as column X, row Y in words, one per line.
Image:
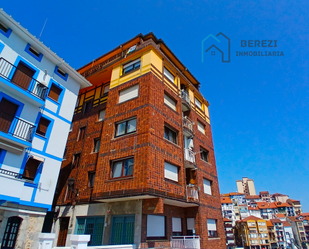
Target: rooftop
column 226, row 200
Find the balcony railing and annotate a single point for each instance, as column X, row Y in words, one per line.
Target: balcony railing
column 16, row 127
column 189, row 155
column 189, row 242
column 192, row 193
column 9, row 72
column 10, row 173
column 188, row 124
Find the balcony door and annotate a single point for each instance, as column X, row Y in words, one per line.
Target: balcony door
column 7, row 114
column 23, row 76
column 122, row 230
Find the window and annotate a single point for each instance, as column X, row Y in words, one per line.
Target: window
column 7, row 114
column 106, row 89
column 91, row 177
column 170, row 171
column 207, row 186
column 201, row 127
column 169, row 75
column 125, row 127
column 54, row 92
column 96, row 145
column 31, row 167
column 93, row 226
column 131, row 66
column 87, row 106
column 33, row 52
column 122, row 168
column 176, row 225
column 101, row 115
column 3, row 28
column 261, row 223
column 42, row 126
column 62, row 74
column 198, row 103
column 11, row 231
column 212, row 228
column 204, row 154
column 170, row 102
column 170, row 134
column 76, row 160
column 128, row 93
column 251, row 224
column 81, row 134
column 122, row 229
column 190, row 226
column 23, row 75
column 155, row 226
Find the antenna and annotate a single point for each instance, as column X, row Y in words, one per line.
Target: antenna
column 43, row 28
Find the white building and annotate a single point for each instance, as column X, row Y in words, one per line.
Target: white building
column 38, row 92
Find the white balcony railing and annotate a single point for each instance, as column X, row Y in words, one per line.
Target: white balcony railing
column 188, row 123
column 189, row 155
column 189, row 242
column 192, row 193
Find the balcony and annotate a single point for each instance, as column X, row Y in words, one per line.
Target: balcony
column 10, row 72
column 10, row 173
column 192, row 193
column 189, row 157
column 16, row 127
column 187, row 126
column 189, row 242
column 185, row 101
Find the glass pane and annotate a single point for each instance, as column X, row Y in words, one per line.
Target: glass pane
column 132, row 125
column 117, row 169
column 128, row 167
column 80, row 226
column 137, row 65
column 121, row 129
column 128, row 69
column 165, row 132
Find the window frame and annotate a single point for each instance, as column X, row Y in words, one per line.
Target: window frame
column 64, row 76
column 166, row 73
column 33, row 52
column 126, row 121
column 172, row 130
column 59, row 96
column 101, row 119
column 81, row 132
column 88, row 218
column 125, row 89
column 47, row 128
column 204, row 126
column 39, row 164
column 91, row 180
column 123, row 160
column 8, row 232
column 200, row 102
column 8, row 31
column 96, row 147
column 210, row 186
column 164, row 227
column 176, row 167
column 74, row 164
column 215, row 232
column 167, row 97
column 204, row 151
column 131, row 63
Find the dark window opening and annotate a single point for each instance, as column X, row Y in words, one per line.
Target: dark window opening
column 81, row 134
column 91, row 178
column 87, row 106
column 42, row 126
column 7, row 114
column 96, row 146
column 11, row 232
column 31, row 168
column 3, row 28
column 61, row 72
column 34, row 52
column 170, row 134
column 204, row 154
column 76, row 161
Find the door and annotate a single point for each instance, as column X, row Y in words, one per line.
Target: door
column 123, row 230
column 23, row 76
column 64, row 224
column 7, row 114
column 11, row 232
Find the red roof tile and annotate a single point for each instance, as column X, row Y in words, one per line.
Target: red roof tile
column 275, row 221
column 304, row 214
column 226, row 200
column 252, row 197
column 226, row 219
column 282, row 204
column 253, row 208
column 235, row 193
column 264, row 205
column 269, row 224
column 286, row 224
column 280, row 215
column 251, row 217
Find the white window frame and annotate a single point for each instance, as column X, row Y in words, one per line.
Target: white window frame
column 169, row 75
column 207, row 186
column 125, row 94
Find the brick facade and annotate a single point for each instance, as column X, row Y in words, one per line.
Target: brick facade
column 150, row 151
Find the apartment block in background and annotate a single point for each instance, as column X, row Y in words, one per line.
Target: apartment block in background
column 246, row 186
column 38, row 92
column 140, row 165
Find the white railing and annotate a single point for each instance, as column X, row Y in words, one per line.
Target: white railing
column 189, row 155
column 189, row 242
column 192, row 193
column 188, row 123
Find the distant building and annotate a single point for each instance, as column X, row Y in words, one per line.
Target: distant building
column 38, row 92
column 300, row 228
column 246, row 186
column 280, row 234
column 229, row 234
column 296, row 205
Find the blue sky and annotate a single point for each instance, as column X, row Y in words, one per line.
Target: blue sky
column 259, row 106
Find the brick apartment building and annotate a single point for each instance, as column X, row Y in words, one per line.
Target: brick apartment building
column 139, row 165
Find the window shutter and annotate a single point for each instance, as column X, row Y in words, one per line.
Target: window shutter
column 211, row 225
column 155, row 226
column 169, row 75
column 129, row 93
column 170, row 102
column 54, row 92
column 207, row 186
column 171, row 172
column 198, row 103
column 200, row 127
column 176, row 223
column 190, row 224
column 42, row 126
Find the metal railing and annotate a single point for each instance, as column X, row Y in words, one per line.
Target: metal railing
column 10, row 72
column 188, row 123
column 10, row 173
column 189, row 155
column 187, row 242
column 16, row 127
column 185, row 96
column 192, row 193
